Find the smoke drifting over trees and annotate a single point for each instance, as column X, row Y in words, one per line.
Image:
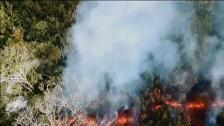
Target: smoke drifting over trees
column 122, row 40
column 104, row 62
column 117, row 44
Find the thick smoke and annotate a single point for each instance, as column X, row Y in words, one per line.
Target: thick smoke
column 215, row 56
column 116, row 42
column 217, row 42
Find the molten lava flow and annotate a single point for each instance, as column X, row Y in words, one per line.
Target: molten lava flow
column 196, row 105
column 190, row 105
column 124, row 121
column 157, row 107
column 173, row 103
column 125, row 118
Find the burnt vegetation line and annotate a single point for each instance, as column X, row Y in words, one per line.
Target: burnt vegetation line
column 33, row 52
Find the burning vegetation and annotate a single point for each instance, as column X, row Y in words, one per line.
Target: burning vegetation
column 122, row 118
column 134, row 63
column 155, row 104
column 194, row 109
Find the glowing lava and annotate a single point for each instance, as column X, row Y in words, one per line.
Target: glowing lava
column 189, row 105
column 173, row 103
column 125, row 118
column 196, row 105
column 157, row 107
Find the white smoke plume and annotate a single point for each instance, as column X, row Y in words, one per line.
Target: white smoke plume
column 114, row 39
column 217, row 44
column 215, row 56
column 114, row 42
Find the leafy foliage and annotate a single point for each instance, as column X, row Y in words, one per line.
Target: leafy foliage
column 32, row 44
column 32, row 37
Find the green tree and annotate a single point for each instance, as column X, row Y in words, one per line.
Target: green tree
column 32, row 39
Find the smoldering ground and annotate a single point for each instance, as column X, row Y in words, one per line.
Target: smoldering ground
column 115, row 42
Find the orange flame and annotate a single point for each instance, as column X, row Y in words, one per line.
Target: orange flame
column 196, row 105
column 125, row 119
column 190, row 105
column 173, row 103
column 157, row 107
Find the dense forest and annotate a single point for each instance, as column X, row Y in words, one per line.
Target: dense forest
column 34, row 43
column 33, row 33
